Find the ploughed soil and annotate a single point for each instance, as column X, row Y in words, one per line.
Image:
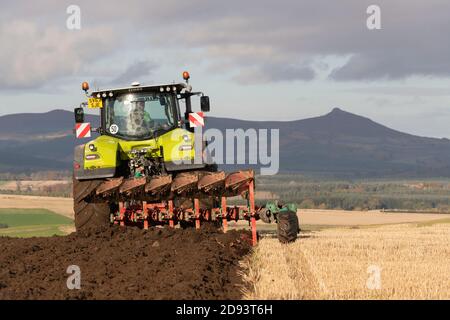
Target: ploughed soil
column 126, row 263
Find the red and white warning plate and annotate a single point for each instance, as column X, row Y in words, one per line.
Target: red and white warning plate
column 196, row 119
column 83, row 130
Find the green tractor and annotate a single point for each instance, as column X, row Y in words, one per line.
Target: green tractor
column 148, row 166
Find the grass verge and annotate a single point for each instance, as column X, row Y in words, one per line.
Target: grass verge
column 32, row 223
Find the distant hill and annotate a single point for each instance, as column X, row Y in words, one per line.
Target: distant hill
column 38, row 141
column 53, row 123
column 339, row 144
column 347, row 145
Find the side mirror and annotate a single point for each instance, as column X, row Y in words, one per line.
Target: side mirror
column 204, row 103
column 79, row 115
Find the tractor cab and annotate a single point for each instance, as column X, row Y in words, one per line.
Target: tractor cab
column 141, row 112
column 142, row 132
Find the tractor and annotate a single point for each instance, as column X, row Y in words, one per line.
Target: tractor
column 147, row 167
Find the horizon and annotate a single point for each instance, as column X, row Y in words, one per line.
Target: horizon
column 272, row 121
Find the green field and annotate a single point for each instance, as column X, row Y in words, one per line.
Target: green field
column 32, row 223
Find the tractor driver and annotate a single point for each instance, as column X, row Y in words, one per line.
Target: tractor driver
column 140, row 118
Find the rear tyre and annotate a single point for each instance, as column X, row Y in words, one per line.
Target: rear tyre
column 88, row 214
column 288, row 226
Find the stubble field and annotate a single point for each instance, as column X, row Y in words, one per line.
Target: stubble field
column 407, row 261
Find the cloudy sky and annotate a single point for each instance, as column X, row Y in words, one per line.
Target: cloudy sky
column 258, row 59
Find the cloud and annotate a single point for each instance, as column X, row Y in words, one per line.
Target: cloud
column 407, row 91
column 32, row 55
column 274, row 73
column 135, row 72
column 274, row 40
column 247, row 36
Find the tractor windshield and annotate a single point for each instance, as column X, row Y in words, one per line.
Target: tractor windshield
column 140, row 115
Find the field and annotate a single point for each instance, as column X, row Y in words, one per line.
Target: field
column 33, row 223
column 31, row 185
column 126, row 263
column 63, row 206
column 56, row 188
column 340, row 255
column 361, row 218
column 407, row 261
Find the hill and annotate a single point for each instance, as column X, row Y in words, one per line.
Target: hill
column 338, row 144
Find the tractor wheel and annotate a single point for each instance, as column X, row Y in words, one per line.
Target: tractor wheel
column 288, row 226
column 88, row 214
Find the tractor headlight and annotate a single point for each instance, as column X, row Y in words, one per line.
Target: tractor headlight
column 92, row 157
column 92, row 147
column 185, row 148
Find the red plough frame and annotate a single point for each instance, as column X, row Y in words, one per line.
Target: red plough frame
column 166, row 213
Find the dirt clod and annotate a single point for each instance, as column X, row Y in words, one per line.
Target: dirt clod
column 125, row 263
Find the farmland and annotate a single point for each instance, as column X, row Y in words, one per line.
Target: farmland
column 413, row 195
column 33, row 223
column 413, row 262
column 25, row 186
column 63, row 206
column 332, row 259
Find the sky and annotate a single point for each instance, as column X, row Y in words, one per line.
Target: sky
column 256, row 59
